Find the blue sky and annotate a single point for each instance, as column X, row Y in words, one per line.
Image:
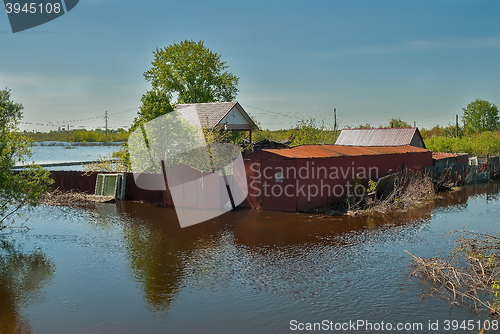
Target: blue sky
column 373, row 60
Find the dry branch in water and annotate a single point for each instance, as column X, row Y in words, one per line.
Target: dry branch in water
column 73, row 198
column 408, row 191
column 469, row 275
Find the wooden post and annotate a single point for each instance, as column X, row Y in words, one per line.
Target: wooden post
column 250, row 137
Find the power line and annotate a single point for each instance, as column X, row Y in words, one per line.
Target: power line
column 57, row 123
column 269, row 111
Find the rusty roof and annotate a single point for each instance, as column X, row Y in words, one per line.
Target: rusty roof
column 378, row 137
column 210, row 114
column 326, row 151
column 441, row 155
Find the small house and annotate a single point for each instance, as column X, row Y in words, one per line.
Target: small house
column 221, row 115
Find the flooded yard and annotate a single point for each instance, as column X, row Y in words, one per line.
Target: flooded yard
column 129, row 268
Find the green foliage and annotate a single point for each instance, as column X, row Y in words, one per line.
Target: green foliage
column 83, row 136
column 372, row 185
column 105, row 164
column 27, row 186
column 172, row 140
column 481, row 115
column 268, row 134
column 180, row 68
column 312, row 133
column 448, row 131
column 365, row 126
column 154, row 104
column 474, row 144
column 398, row 123
column 495, row 287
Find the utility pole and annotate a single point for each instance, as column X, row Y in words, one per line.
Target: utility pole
column 335, row 120
column 106, row 127
column 194, row 94
column 457, row 125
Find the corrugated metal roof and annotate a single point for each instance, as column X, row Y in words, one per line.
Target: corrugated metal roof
column 210, row 114
column 326, row 151
column 377, row 137
column 441, row 155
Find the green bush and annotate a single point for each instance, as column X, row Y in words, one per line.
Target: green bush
column 474, row 144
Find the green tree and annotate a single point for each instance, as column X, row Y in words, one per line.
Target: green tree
column 180, row 68
column 154, row 104
column 365, row 126
column 312, row 133
column 398, row 123
column 27, row 186
column 481, row 115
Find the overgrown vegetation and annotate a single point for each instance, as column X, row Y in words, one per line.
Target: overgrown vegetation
column 397, row 192
column 27, row 186
column 306, row 132
column 479, row 143
column 111, row 164
column 469, row 275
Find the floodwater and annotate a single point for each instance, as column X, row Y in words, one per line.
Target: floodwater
column 129, row 268
column 57, row 152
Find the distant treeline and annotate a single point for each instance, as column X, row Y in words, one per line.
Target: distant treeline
column 84, row 136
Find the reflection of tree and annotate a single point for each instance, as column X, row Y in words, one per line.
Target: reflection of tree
column 21, row 276
column 156, row 265
column 160, row 252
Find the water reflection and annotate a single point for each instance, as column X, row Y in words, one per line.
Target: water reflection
column 274, row 262
column 263, row 250
column 21, row 277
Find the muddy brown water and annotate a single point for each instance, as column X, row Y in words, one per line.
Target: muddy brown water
column 130, row 268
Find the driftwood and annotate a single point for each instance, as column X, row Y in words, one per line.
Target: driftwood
column 468, row 276
column 74, row 198
column 398, row 192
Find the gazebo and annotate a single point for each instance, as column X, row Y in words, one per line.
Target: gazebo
column 222, row 115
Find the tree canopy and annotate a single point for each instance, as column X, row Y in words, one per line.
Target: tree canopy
column 154, row 104
column 181, row 68
column 481, row 115
column 398, row 123
column 28, row 185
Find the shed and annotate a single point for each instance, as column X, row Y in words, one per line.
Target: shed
column 228, row 115
column 381, row 137
column 311, row 176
